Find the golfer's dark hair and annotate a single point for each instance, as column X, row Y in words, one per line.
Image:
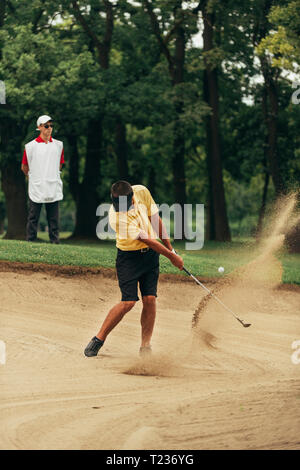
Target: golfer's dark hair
column 121, row 188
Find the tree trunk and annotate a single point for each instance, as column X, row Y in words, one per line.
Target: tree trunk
column 12, row 178
column 152, row 182
column 273, row 134
column 293, row 240
column 88, row 198
column 270, row 110
column 2, row 217
column 178, row 163
column 73, row 167
column 219, row 227
column 2, row 14
column 270, row 98
column 210, row 229
column 86, row 193
column 121, row 149
column 262, row 210
column 176, row 65
column 13, row 186
column 267, row 171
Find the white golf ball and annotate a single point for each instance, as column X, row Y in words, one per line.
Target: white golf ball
column 221, row 269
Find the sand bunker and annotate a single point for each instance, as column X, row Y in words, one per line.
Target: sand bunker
column 214, row 386
column 248, row 287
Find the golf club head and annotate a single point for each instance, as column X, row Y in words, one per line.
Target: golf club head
column 245, row 325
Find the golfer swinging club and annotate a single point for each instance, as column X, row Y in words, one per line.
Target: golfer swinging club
column 134, row 217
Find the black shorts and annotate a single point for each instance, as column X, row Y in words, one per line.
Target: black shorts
column 135, row 267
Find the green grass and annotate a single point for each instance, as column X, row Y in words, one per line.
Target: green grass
column 203, row 262
column 291, row 268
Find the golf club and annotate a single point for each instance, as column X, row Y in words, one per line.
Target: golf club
column 245, row 325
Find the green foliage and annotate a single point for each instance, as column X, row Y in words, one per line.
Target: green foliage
column 49, row 64
column 284, row 41
column 283, row 53
column 244, row 202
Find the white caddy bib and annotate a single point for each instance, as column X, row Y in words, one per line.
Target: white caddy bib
column 45, row 184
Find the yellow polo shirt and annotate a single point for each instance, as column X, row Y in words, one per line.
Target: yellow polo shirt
column 128, row 225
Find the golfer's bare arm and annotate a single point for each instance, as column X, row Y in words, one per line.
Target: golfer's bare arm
column 25, row 169
column 161, row 249
column 160, row 229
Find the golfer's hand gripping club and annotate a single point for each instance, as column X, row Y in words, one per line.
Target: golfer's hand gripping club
column 177, row 261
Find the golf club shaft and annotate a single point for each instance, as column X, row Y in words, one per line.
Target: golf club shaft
column 213, row 295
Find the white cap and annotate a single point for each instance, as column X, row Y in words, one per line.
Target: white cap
column 42, row 120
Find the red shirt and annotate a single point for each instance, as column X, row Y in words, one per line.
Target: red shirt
column 39, row 139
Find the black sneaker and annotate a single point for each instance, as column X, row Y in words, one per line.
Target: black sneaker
column 93, row 347
column 145, row 351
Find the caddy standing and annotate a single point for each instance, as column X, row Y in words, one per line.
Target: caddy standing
column 135, row 218
column 42, row 161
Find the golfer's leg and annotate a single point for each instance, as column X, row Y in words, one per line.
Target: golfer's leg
column 148, row 319
column 33, row 219
column 114, row 316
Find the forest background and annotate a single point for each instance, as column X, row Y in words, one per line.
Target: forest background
column 199, row 101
